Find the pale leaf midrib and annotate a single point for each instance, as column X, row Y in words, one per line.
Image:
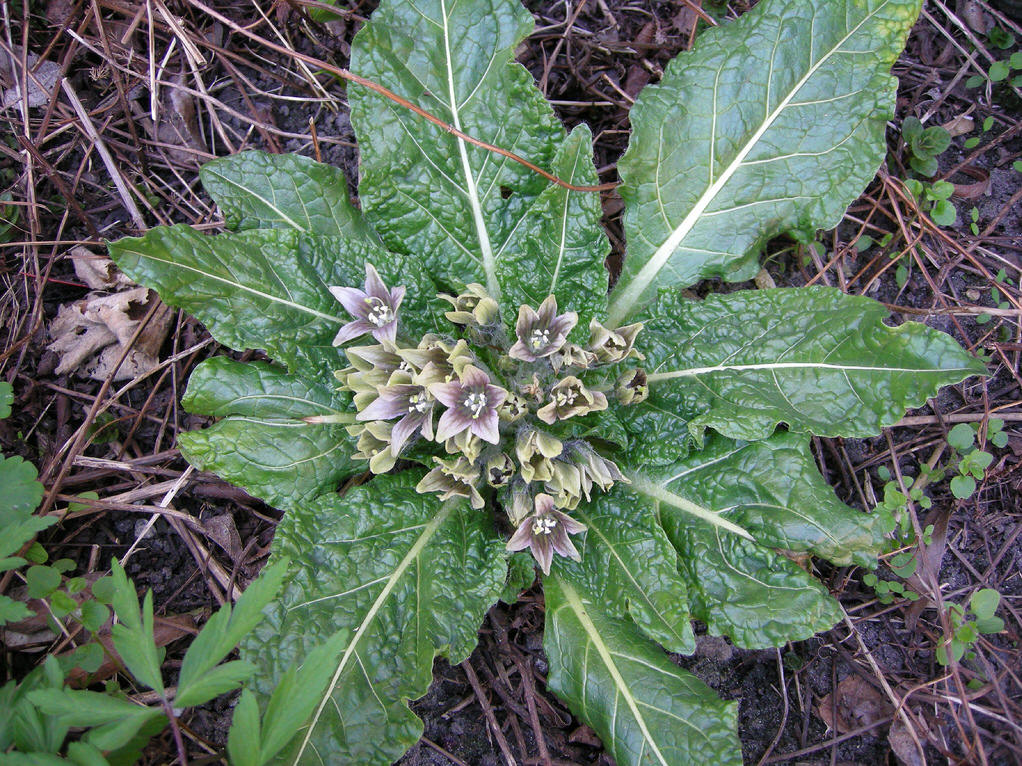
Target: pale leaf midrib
column 696, row 371
column 237, row 285
column 413, row 553
column 642, row 594
column 622, row 304
column 486, row 248
column 284, row 216
column 656, row 491
column 575, row 603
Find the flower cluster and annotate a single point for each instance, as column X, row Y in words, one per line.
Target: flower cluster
column 509, row 414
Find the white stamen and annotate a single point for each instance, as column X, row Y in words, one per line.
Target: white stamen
column 544, row 525
column 539, row 338
column 418, row 403
column 475, row 403
column 379, row 312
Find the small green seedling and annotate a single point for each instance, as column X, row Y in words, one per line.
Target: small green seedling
column 973, row 462
column 934, row 199
column 967, row 627
column 924, row 145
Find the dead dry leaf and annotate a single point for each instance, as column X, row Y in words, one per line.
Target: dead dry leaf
column 960, row 125
column 903, row 745
column 90, row 335
column 97, row 271
column 857, row 704
column 41, row 79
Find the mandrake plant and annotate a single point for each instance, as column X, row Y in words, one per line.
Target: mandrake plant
column 454, row 343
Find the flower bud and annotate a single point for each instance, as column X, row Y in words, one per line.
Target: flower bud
column 374, row 445
column 465, row 443
column 566, row 484
column 499, row 470
column 611, row 346
column 631, row 387
column 453, row 478
column 536, row 451
column 570, row 397
column 473, row 307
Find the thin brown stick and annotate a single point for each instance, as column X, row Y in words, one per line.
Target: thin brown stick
column 502, row 743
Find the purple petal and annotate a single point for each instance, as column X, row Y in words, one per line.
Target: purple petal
column 570, row 525
column 451, row 423
column 543, row 552
column 563, row 546
column 485, row 426
column 384, row 408
column 351, row 331
column 404, row 430
column 387, row 333
column 547, row 311
column 446, row 393
column 522, row 538
column 396, row 296
column 521, row 351
column 374, row 285
column 495, row 396
column 527, row 319
column 564, row 324
column 352, row 299
column 544, row 504
column 473, row 376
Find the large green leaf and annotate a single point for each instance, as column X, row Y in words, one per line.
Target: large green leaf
column 256, row 190
column 773, row 122
column 456, row 206
column 263, row 444
column 741, row 589
column 630, row 568
column 408, row 578
column 559, row 245
column 647, row 710
column 269, row 288
column 774, row 489
column 812, row 357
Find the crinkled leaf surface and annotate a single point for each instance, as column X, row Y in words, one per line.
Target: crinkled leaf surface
column 408, row 578
column 773, row 489
column 773, row 122
column 462, row 209
column 257, row 190
column 630, row 568
column 812, row 357
column 269, row 288
column 746, row 591
column 558, row 247
column 647, row 710
column 262, row 443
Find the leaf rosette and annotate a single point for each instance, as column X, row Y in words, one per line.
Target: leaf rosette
column 650, row 450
